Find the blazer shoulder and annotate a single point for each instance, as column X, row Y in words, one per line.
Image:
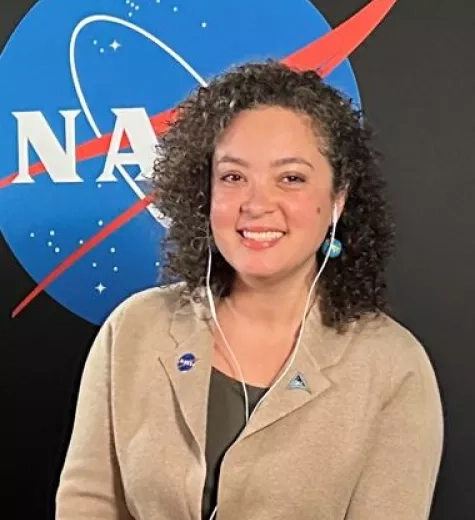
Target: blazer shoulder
column 399, row 346
column 157, row 304
column 388, row 335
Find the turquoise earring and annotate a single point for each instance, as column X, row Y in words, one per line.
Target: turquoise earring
column 335, row 250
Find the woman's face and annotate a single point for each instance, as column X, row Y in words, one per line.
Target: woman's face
column 271, row 203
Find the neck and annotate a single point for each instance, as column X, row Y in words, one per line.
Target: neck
column 276, row 303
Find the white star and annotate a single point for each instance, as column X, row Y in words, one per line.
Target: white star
column 115, row 45
column 100, row 288
column 204, row 24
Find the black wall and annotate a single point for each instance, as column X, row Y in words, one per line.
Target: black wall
column 416, row 79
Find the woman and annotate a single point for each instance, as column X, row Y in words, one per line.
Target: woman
column 269, row 382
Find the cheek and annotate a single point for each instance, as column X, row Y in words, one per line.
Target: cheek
column 306, row 213
column 224, row 211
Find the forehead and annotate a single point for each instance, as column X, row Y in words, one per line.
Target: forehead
column 271, row 132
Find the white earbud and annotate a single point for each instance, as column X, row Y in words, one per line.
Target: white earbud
column 334, row 215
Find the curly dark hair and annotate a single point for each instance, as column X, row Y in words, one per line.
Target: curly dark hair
column 351, row 286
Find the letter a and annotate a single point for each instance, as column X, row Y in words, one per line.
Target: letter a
column 135, row 123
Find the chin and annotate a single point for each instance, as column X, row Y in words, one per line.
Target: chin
column 259, row 274
column 256, row 272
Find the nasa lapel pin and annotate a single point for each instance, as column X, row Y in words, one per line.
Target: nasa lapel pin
column 186, row 362
column 298, row 382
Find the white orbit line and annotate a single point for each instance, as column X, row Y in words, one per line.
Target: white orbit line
column 159, row 217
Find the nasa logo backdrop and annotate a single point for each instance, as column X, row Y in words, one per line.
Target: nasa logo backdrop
column 79, row 119
column 86, row 88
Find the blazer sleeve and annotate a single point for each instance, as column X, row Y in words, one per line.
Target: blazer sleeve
column 401, row 470
column 90, row 485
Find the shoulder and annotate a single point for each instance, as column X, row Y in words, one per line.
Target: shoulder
column 149, row 304
column 391, row 346
column 149, row 323
column 390, row 338
column 150, row 314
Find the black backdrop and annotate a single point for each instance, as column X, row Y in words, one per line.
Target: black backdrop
column 416, row 80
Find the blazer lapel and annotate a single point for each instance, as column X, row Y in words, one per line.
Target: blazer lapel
column 193, row 342
column 305, row 381
column 320, row 348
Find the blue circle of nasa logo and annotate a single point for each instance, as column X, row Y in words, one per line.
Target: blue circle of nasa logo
column 86, row 88
column 186, row 362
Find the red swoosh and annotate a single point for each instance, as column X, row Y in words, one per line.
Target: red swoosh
column 118, row 222
column 323, row 55
column 334, row 47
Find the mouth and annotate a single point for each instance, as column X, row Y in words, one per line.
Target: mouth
column 260, row 239
column 261, row 236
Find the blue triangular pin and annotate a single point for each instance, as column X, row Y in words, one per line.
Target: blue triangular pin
column 298, row 382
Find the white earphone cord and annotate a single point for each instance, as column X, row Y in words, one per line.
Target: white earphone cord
column 209, row 295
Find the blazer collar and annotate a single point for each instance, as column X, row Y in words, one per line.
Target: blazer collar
column 320, row 348
column 324, row 345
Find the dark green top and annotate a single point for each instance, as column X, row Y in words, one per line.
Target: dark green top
column 226, row 419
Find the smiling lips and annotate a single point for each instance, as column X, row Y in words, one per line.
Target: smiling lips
column 258, row 239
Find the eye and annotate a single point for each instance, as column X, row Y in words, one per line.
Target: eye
column 231, row 177
column 293, row 178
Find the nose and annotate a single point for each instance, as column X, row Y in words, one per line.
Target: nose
column 259, row 201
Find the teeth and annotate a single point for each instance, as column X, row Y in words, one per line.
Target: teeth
column 264, row 236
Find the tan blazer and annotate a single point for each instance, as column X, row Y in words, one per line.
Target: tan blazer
column 363, row 441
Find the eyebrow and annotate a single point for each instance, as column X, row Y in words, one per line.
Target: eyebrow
column 278, row 162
